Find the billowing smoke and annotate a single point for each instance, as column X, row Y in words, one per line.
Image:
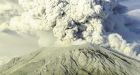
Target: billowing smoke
column 118, row 43
column 70, row 20
column 74, row 22
column 46, row 39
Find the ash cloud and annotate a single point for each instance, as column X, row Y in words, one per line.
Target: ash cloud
column 74, row 22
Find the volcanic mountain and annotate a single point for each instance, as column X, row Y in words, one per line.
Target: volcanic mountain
column 72, row 60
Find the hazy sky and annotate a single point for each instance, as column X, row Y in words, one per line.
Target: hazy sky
column 12, row 44
column 132, row 4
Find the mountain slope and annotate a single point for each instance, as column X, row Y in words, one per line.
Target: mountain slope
column 74, row 60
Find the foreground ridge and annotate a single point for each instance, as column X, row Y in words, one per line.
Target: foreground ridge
column 74, row 60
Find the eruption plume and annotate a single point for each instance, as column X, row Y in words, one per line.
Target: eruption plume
column 73, row 21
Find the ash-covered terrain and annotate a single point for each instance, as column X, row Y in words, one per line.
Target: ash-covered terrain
column 73, row 60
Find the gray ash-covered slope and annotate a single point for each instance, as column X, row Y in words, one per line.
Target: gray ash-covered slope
column 74, row 60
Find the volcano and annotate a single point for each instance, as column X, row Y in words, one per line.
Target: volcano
column 75, row 37
column 72, row 60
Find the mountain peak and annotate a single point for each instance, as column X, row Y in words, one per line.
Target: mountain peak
column 73, row 60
